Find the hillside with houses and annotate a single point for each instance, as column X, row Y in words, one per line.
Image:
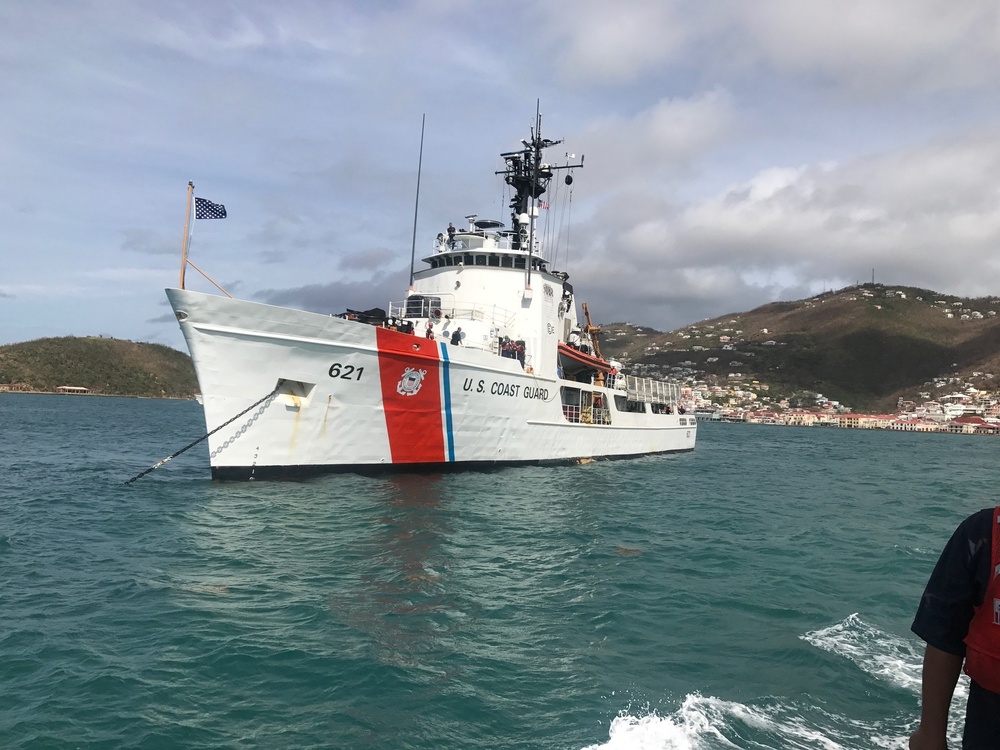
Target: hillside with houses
column 902, row 358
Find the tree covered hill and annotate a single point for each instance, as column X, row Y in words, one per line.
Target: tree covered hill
column 103, row 365
column 866, row 346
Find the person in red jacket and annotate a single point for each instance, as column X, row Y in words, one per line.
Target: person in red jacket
column 959, row 620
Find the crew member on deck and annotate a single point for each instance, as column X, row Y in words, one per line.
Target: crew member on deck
column 451, row 235
column 430, row 331
column 507, row 348
column 456, row 337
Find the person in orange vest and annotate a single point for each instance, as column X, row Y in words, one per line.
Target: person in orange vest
column 959, row 620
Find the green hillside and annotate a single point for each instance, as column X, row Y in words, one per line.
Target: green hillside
column 103, row 365
column 865, row 346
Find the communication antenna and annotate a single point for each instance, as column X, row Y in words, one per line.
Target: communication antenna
column 416, row 203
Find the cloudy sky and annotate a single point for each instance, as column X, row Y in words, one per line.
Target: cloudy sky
column 737, row 151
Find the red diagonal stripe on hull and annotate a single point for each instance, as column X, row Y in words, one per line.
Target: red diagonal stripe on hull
column 413, row 422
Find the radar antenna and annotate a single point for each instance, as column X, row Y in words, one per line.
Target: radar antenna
column 529, row 177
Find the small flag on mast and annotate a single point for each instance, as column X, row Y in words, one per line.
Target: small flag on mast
column 205, row 209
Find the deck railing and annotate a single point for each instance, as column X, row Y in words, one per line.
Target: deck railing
column 485, row 242
column 651, row 391
column 492, row 314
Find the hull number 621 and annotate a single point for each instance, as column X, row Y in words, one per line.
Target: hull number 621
column 345, row 372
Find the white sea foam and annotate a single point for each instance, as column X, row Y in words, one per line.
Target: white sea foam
column 883, row 655
column 645, row 733
column 886, row 657
column 707, row 723
column 684, row 730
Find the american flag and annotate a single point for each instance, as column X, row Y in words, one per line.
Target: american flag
column 205, row 209
column 543, row 205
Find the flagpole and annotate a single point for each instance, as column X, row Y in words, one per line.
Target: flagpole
column 187, row 223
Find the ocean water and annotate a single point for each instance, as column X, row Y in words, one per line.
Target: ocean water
column 756, row 593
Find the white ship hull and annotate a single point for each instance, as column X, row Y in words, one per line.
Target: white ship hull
column 513, row 377
column 348, row 396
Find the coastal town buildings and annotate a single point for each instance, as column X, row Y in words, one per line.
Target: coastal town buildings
column 714, row 360
column 959, row 407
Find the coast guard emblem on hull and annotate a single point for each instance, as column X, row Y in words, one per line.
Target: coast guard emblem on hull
column 411, row 381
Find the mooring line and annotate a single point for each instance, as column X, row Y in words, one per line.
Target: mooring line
column 141, row 474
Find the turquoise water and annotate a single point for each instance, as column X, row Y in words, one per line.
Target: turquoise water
column 756, row 593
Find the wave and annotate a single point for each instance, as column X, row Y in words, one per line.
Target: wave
column 884, row 656
column 709, row 723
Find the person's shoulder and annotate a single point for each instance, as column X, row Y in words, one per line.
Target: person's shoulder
column 978, row 523
column 973, row 531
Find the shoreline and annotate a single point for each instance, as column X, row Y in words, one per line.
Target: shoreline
column 98, row 395
column 946, row 428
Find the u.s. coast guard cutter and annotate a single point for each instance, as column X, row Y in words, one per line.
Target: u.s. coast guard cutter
column 522, row 383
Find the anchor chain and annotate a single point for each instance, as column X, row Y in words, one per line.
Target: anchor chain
column 172, row 456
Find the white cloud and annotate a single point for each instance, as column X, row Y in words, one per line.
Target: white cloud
column 736, row 153
column 926, row 216
column 874, row 46
column 608, row 43
column 658, row 143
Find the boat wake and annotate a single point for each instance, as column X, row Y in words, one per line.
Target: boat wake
column 707, row 723
column 710, row 723
column 882, row 655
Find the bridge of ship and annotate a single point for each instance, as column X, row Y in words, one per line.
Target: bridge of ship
column 486, row 243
